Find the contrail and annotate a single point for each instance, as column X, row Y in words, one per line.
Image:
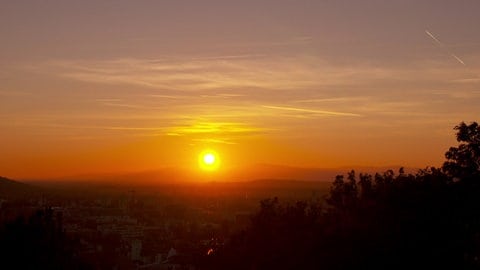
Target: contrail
column 458, row 59
column 443, row 47
column 434, row 38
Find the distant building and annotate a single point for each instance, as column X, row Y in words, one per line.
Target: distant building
column 136, row 249
column 174, row 261
column 242, row 219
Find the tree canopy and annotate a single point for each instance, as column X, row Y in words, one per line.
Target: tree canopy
column 463, row 161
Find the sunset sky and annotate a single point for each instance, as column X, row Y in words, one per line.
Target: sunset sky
column 119, row 86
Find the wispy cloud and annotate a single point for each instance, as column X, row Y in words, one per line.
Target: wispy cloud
column 211, row 98
column 216, row 141
column 215, row 128
column 184, row 74
column 15, row 93
column 229, row 57
column 330, row 100
column 467, row 80
column 321, row 112
column 168, row 96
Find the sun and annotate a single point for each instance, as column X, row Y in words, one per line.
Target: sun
column 208, row 160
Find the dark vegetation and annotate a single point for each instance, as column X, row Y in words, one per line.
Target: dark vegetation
column 390, row 220
column 37, row 242
column 427, row 220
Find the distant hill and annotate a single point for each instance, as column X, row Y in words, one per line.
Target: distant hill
column 11, row 189
column 282, row 172
column 172, row 175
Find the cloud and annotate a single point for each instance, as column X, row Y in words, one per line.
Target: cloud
column 218, row 141
column 223, row 73
column 302, row 110
column 168, row 96
column 330, row 100
column 15, row 93
column 230, row 96
column 214, row 128
column 467, row 80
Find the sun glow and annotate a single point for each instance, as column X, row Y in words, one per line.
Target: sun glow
column 208, row 160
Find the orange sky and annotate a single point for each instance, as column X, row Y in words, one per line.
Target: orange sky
column 125, row 86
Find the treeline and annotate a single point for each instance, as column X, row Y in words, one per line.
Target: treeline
column 389, row 220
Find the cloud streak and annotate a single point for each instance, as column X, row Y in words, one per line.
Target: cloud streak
column 216, row 141
column 214, row 97
column 322, row 112
column 215, row 128
column 190, row 75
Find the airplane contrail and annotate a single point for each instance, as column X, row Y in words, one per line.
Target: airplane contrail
column 444, row 47
column 458, row 59
column 434, row 38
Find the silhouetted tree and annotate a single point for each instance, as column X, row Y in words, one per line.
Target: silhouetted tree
column 463, row 161
column 428, row 220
